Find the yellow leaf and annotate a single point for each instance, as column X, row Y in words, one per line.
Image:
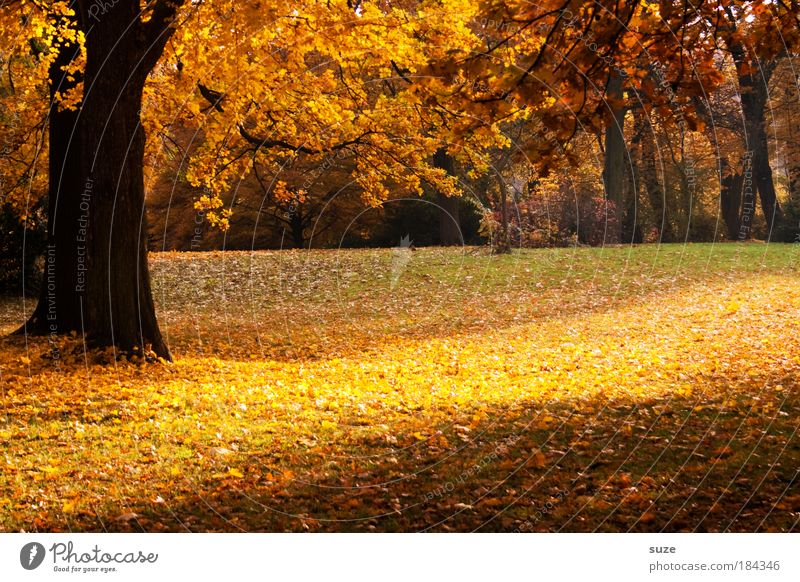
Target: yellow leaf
column 538, row 459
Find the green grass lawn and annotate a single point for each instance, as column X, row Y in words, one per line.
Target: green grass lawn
column 644, row 389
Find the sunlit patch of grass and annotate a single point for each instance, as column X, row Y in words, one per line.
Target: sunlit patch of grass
column 640, row 388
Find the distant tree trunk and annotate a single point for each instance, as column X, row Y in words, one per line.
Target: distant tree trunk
column 793, row 170
column 296, row 226
column 449, row 219
column 687, row 199
column 631, row 225
column 753, row 77
column 793, row 163
column 731, row 180
column 730, row 197
column 58, row 310
column 650, row 179
column 503, row 244
column 791, row 230
column 614, row 163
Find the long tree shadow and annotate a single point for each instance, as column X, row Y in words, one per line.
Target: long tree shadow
column 666, row 464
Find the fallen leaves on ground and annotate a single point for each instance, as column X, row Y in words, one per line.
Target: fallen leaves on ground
column 618, row 389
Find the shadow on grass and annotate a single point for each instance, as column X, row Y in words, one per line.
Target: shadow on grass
column 573, row 467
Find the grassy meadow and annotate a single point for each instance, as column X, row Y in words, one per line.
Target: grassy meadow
column 578, row 389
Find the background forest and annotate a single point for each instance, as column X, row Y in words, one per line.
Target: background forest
column 667, row 155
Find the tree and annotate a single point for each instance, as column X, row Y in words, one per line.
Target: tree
column 615, row 150
column 755, row 35
column 97, row 278
column 97, row 150
column 449, row 219
column 722, row 125
column 59, row 309
column 784, row 110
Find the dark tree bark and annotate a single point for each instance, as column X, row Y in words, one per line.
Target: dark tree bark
column 793, row 171
column 503, row 244
column 296, row 227
column 121, row 52
column 686, row 189
column 753, row 76
column 793, row 160
column 730, row 198
column 731, row 180
column 58, row 310
column 449, row 219
column 650, row 180
column 754, row 98
column 614, row 158
column 791, row 230
column 631, row 223
column 105, row 192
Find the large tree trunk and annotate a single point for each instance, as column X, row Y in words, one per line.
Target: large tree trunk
column 119, row 302
column 96, row 220
column 449, row 219
column 58, row 310
column 614, row 163
column 731, row 179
